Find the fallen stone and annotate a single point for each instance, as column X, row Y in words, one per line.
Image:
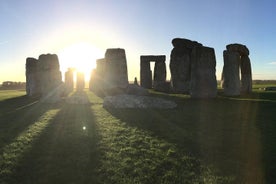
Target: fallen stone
column 133, row 89
column 140, row 102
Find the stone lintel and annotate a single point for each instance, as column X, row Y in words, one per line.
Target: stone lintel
column 156, row 58
column 236, row 47
column 185, row 43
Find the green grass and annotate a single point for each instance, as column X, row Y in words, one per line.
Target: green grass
column 224, row 140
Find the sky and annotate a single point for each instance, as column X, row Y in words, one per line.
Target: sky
column 80, row 31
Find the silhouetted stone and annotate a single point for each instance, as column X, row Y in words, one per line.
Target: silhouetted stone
column 203, row 73
column 97, row 79
column 110, row 76
column 69, row 81
column 145, row 74
column 231, row 78
column 33, row 87
column 80, row 81
column 185, row 43
column 235, row 47
column 116, row 69
column 159, row 77
column 159, row 72
column 180, row 64
column 246, row 75
column 52, row 87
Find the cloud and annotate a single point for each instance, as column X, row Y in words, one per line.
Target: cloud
column 3, row 42
column 272, row 63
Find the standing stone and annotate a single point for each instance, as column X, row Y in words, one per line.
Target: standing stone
column 231, row 78
column 33, row 87
column 180, row 64
column 145, row 74
column 116, row 69
column 246, row 75
column 159, row 83
column 80, row 81
column 50, row 78
column 159, row 78
column 203, row 73
column 69, row 81
column 97, row 78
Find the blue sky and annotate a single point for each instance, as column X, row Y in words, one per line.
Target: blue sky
column 141, row 27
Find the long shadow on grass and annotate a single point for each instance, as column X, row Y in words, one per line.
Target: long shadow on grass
column 266, row 123
column 66, row 150
column 221, row 132
column 17, row 114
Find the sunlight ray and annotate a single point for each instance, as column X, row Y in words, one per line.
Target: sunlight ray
column 21, row 144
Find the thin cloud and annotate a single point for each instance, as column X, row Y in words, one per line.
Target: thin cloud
column 3, row 42
column 272, row 63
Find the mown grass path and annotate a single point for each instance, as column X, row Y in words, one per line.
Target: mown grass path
column 225, row 140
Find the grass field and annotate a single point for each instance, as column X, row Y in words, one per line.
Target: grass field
column 223, row 140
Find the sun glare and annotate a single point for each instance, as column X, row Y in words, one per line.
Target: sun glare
column 82, row 56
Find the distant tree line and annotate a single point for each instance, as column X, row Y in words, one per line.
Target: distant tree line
column 264, row 82
column 13, row 85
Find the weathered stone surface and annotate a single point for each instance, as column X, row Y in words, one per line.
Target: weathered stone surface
column 235, row 47
column 246, row 75
column 231, row 78
column 52, row 87
column 185, row 43
column 80, row 81
column 33, row 87
column 69, row 81
column 159, row 71
column 97, row 78
column 110, row 76
column 203, row 73
column 159, row 77
column 230, row 84
column 141, row 102
column 148, row 58
column 145, row 74
column 180, row 64
column 116, row 69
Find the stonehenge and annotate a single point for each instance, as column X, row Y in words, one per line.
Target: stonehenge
column 236, row 59
column 193, row 69
column 159, row 77
column 43, row 78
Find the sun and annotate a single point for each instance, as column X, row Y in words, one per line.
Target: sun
column 82, row 56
